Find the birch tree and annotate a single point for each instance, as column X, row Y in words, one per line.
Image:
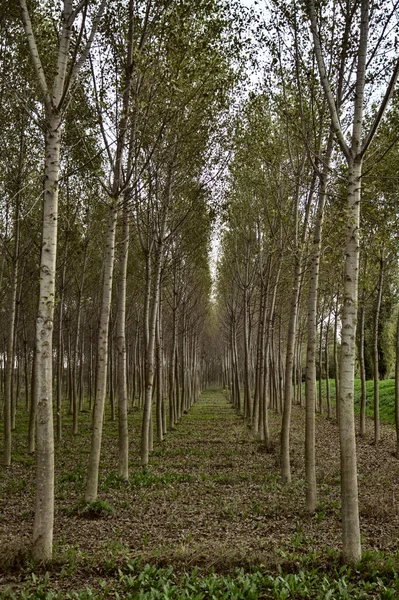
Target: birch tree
column 54, row 93
column 354, row 152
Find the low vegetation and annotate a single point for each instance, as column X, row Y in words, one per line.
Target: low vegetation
column 387, row 397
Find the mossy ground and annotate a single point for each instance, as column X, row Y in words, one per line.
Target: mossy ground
column 211, row 502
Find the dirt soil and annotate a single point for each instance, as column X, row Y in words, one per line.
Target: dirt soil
column 212, row 498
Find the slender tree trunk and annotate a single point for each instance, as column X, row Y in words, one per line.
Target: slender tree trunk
column 363, row 397
column 287, row 405
column 75, row 407
column 60, row 349
column 321, row 362
column 102, row 352
column 26, row 369
column 336, row 361
column 327, row 366
column 257, row 417
column 10, row 364
column 377, row 429
column 33, row 407
column 102, row 360
column 146, row 432
column 110, row 380
column 172, row 390
column 397, row 387
column 247, row 390
column 159, row 389
column 123, row 439
column 310, row 386
column 236, row 373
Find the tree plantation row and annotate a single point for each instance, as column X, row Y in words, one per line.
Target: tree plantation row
column 133, row 135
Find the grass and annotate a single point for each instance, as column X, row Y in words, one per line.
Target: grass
column 387, row 397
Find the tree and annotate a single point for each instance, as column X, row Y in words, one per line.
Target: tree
column 55, row 97
column 354, row 154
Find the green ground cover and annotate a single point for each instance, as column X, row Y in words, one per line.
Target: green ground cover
column 387, row 397
column 148, row 582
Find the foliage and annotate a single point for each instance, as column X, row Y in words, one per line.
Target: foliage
column 371, row 579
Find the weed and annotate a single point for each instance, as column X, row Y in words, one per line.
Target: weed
column 92, row 510
column 113, row 480
column 15, row 486
column 76, row 477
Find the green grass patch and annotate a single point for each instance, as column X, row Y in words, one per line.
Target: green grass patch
column 387, row 397
column 149, row 479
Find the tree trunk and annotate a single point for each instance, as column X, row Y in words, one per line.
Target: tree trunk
column 44, row 504
column 75, row 407
column 377, row 432
column 60, row 350
column 321, row 362
column 102, row 360
column 349, row 489
column 33, row 407
column 310, row 385
column 363, row 397
column 289, row 364
column 247, row 387
column 9, row 409
column 327, row 366
column 123, row 438
column 336, row 361
column 397, row 387
column 159, row 368
column 146, row 430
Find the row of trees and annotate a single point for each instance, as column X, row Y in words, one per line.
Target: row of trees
column 289, row 273
column 106, row 290
column 107, row 286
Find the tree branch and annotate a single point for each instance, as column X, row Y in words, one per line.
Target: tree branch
column 325, row 83
column 379, row 115
column 34, row 52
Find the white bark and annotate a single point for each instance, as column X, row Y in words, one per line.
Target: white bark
column 54, row 103
column 349, row 489
column 44, row 505
column 354, row 155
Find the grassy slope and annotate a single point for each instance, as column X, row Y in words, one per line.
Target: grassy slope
column 387, row 397
column 211, row 499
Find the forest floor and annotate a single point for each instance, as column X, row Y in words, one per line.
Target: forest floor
column 212, row 499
